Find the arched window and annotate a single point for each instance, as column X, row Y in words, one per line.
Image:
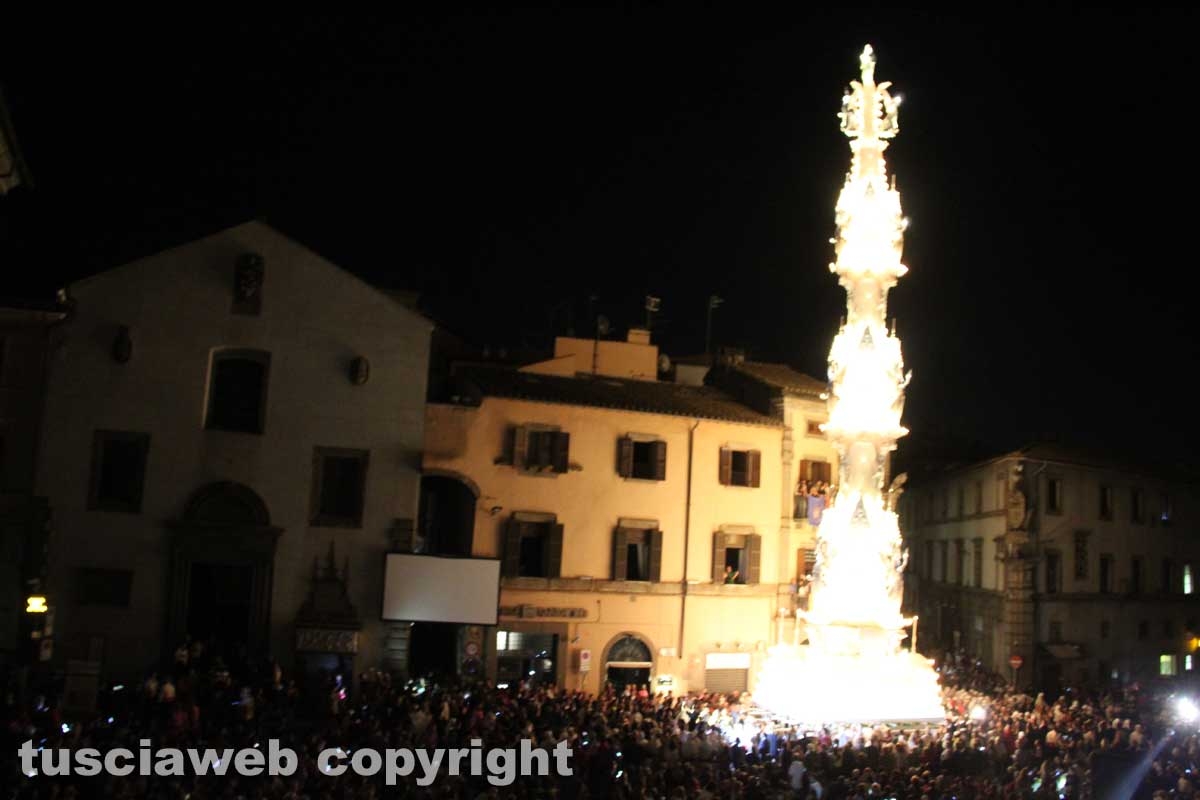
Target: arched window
column 237, row 391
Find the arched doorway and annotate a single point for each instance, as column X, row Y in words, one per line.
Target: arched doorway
column 629, row 660
column 223, row 556
column 447, row 515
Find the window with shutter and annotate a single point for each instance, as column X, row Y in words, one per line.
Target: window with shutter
column 725, row 467
column 804, row 473
column 532, row 546
column 718, row 562
column 731, row 558
column 520, row 448
column 753, row 558
column 625, row 457
column 660, row 461
column 655, row 548
column 554, row 551
column 512, row 549
column 532, row 549
column 643, row 459
column 740, row 467
column 562, row 447
column 537, row 448
column 637, row 554
column 620, row 560
column 541, row 449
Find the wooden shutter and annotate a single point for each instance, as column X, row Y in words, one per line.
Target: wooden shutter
column 520, row 450
column 542, row 449
column 511, row 564
column 753, row 468
column 624, row 456
column 805, row 471
column 753, row 557
column 824, row 471
column 660, row 461
column 718, row 562
column 554, row 549
column 726, row 467
column 562, row 447
column 654, row 546
column 620, row 560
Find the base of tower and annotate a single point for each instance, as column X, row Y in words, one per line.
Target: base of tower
column 807, row 685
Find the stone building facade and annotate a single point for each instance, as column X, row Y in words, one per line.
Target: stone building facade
column 618, row 504
column 1082, row 566
column 234, row 423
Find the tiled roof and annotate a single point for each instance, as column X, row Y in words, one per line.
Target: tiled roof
column 1114, row 459
column 783, row 377
column 601, row 391
column 1078, row 455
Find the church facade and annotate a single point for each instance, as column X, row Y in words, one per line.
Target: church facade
column 233, row 426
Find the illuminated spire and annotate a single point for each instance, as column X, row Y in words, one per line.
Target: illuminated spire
column 853, row 667
column 859, row 541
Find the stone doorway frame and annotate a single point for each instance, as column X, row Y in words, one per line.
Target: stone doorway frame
column 223, row 523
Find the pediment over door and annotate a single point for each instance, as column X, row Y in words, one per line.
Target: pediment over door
column 328, row 622
column 229, row 516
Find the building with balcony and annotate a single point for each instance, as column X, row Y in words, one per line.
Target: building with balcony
column 234, row 432
column 1084, row 566
column 645, row 527
column 808, row 463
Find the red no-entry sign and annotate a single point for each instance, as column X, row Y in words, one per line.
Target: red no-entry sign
column 1015, row 661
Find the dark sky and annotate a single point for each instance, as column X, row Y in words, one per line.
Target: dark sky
column 509, row 164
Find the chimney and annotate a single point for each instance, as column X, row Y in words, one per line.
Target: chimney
column 638, row 336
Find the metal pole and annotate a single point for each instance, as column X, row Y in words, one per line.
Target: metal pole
column 713, row 302
column 708, row 330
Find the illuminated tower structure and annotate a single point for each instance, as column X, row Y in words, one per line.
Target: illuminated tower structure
column 853, row 667
column 860, row 554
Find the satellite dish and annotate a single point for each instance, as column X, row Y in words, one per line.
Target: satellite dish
column 664, row 362
column 602, row 326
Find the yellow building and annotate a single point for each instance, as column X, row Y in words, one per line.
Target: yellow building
column 645, row 527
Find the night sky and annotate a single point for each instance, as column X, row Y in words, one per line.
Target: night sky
column 510, row 165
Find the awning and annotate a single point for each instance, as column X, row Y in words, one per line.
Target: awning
column 1064, row 651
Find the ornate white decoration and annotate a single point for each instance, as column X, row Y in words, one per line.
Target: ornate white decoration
column 854, row 623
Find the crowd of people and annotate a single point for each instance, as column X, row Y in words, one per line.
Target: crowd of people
column 813, row 497
column 630, row 743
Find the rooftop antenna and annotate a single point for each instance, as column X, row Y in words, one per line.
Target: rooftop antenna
column 653, row 304
column 601, row 329
column 713, row 303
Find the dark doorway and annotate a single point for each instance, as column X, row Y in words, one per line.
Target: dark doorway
column 222, row 560
column 447, row 516
column 433, row 649
column 526, row 657
column 219, row 600
column 628, row 662
column 620, row 677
